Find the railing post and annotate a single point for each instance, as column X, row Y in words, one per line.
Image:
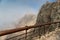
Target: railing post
column 39, row 33
column 26, row 34
column 44, row 30
column 59, row 25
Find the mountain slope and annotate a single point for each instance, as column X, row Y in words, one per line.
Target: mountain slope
column 50, row 12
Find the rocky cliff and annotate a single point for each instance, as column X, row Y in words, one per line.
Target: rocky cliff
column 50, row 12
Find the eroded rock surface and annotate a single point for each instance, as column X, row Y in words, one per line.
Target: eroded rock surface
column 50, row 12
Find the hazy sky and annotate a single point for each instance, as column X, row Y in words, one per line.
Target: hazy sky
column 12, row 10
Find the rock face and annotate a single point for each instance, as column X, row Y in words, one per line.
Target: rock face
column 50, row 12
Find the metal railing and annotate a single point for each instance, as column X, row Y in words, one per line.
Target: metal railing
column 37, row 31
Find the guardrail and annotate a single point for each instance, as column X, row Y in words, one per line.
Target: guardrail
column 28, row 34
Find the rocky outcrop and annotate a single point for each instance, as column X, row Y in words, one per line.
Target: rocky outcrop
column 50, row 12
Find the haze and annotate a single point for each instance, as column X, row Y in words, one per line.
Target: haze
column 12, row 10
